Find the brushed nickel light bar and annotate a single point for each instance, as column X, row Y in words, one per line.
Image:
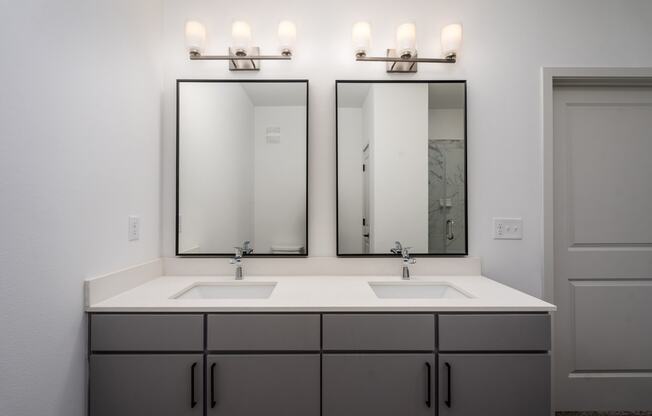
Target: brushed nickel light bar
column 241, row 56
column 404, row 58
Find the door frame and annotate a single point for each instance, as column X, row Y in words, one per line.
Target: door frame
column 580, row 76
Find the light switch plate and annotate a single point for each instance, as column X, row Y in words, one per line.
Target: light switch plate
column 508, row 229
column 134, row 228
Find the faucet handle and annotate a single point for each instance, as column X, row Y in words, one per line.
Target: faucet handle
column 406, row 256
column 398, row 248
column 246, row 249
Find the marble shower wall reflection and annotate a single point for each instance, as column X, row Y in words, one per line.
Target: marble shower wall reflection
column 446, row 219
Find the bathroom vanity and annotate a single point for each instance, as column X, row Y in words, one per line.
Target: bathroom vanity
column 320, row 345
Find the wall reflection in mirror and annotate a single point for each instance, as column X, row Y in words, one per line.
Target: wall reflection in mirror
column 242, row 167
column 401, row 153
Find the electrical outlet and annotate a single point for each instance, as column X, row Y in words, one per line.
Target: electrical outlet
column 508, row 229
column 134, row 228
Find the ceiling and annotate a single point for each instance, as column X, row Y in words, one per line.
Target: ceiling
column 446, row 95
column 275, row 94
column 440, row 95
column 352, row 95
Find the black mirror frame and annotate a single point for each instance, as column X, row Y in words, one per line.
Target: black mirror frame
column 176, row 228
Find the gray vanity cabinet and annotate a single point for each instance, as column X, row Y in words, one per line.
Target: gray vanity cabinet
column 146, row 364
column 494, row 384
column 263, row 384
column 146, row 384
column 494, row 364
column 312, row 364
column 378, row 384
column 378, row 364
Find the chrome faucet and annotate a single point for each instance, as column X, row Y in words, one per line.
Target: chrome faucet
column 237, row 258
column 407, row 260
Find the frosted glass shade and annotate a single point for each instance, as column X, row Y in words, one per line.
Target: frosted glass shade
column 241, row 35
column 406, row 39
column 361, row 37
column 287, row 35
column 451, row 39
column 195, row 36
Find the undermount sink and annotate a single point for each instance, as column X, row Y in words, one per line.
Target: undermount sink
column 228, row 290
column 416, row 290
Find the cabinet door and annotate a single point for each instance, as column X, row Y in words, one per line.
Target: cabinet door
column 144, row 384
column 263, row 384
column 378, row 384
column 494, row 384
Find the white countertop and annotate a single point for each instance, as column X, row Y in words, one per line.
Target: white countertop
column 320, row 294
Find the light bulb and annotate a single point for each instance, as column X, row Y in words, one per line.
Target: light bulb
column 361, row 37
column 287, row 35
column 241, row 35
column 451, row 40
column 195, row 37
column 406, row 39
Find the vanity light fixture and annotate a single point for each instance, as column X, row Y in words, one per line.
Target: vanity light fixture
column 242, row 56
column 404, row 57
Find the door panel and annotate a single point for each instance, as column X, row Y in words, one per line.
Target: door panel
column 602, row 334
column 137, row 385
column 270, row 384
column 378, row 384
column 603, row 248
column 494, row 384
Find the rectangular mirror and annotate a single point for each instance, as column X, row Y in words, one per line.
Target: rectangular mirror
column 401, row 167
column 242, row 167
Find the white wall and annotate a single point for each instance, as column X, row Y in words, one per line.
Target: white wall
column 400, row 167
column 350, row 183
column 506, row 42
column 280, row 178
column 216, row 124
column 79, row 153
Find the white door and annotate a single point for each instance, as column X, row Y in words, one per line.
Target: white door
column 603, row 248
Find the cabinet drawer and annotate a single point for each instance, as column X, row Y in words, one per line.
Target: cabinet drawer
column 126, row 332
column 367, row 332
column 509, row 332
column 263, row 332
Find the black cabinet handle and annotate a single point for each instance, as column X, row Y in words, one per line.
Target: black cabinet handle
column 193, row 402
column 448, row 383
column 428, row 385
column 213, row 401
